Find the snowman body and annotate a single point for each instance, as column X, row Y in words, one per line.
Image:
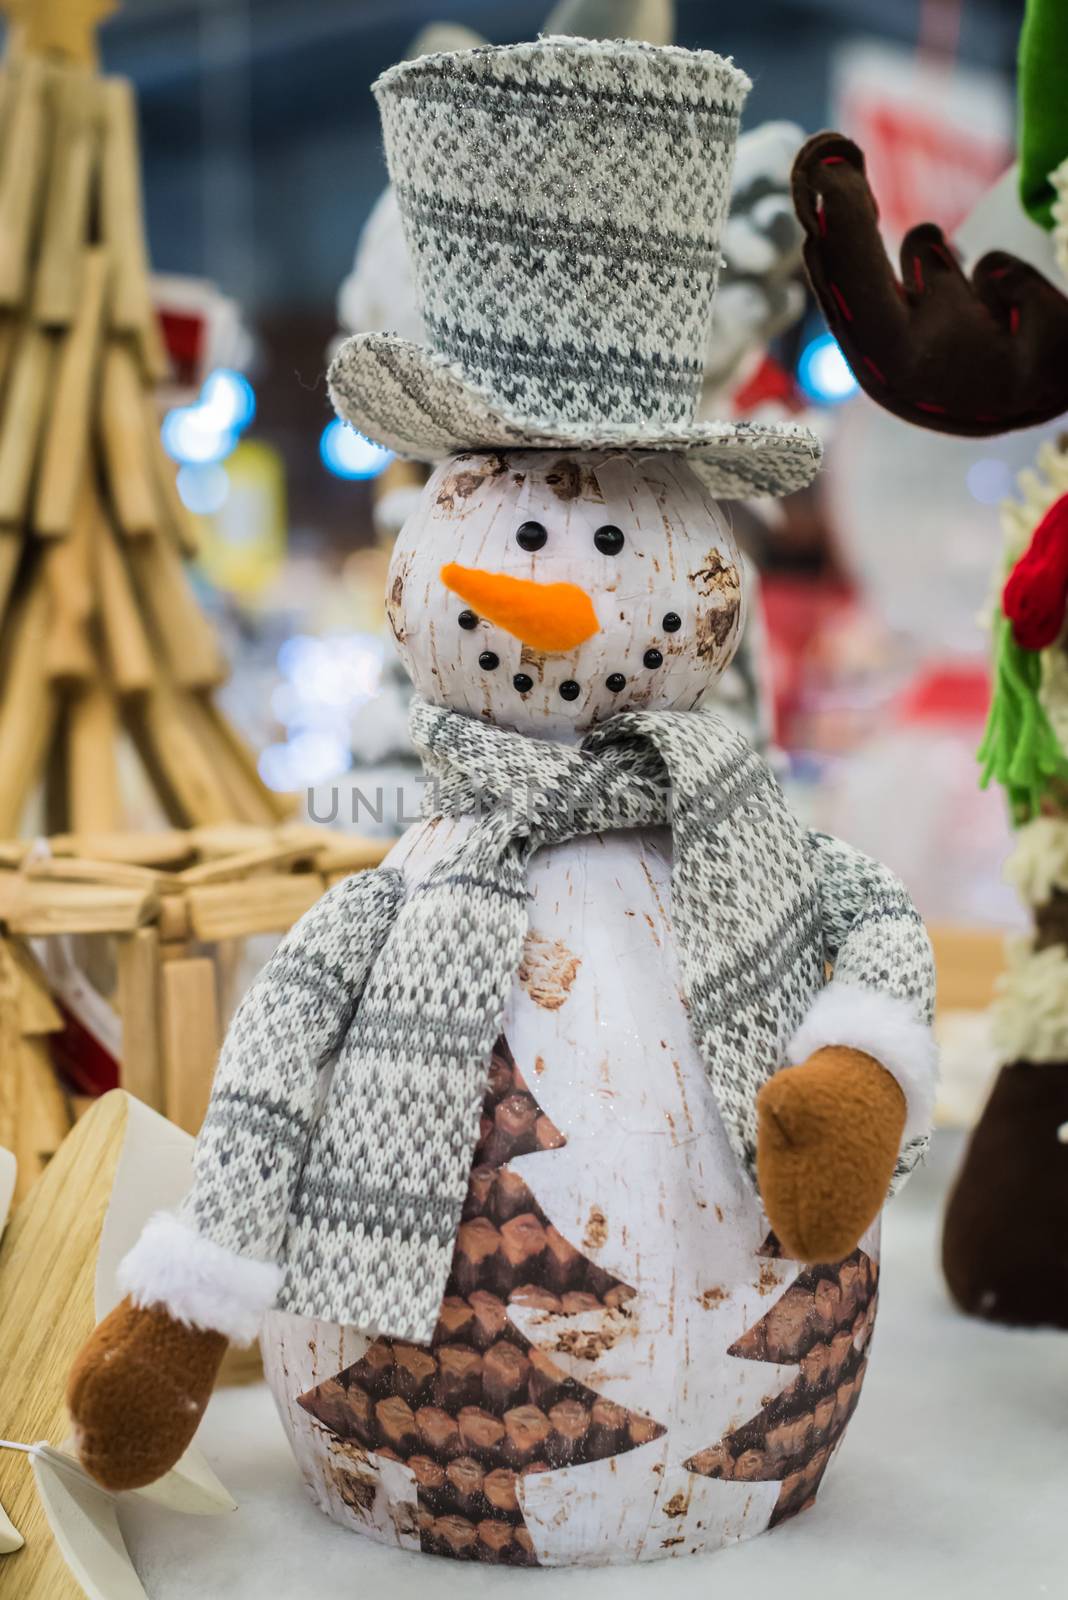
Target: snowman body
column 624, row 1368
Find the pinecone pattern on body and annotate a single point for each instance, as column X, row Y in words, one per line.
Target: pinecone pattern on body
column 823, row 1324
column 481, row 1406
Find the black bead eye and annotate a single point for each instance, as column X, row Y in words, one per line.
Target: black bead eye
column 609, row 539
column 672, row 622
column 653, row 658
column 615, row 681
column 531, row 536
column 523, row 682
column 467, row 619
column 488, row 661
column 569, row 689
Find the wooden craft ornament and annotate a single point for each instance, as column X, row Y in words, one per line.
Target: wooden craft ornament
column 22, row 169
column 59, row 1535
column 64, row 29
column 149, row 897
column 83, row 471
column 75, row 124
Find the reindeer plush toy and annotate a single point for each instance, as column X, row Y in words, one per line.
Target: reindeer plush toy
column 980, row 355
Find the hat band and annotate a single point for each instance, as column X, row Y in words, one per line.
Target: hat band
column 571, row 382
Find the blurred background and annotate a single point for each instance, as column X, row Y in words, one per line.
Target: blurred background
column 262, row 163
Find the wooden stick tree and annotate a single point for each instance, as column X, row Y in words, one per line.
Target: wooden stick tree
column 102, row 637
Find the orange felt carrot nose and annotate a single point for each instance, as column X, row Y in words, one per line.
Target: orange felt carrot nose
column 547, row 616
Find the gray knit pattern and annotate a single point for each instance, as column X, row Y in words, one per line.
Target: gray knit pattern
column 606, row 264
column 368, row 1189
column 563, row 204
column 874, row 938
column 252, row 1146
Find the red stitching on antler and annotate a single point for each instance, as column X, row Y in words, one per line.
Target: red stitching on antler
column 833, row 161
column 929, row 405
column 917, row 272
column 1014, row 319
column 877, row 371
column 842, row 303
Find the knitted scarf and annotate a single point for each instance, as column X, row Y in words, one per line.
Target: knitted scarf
column 747, row 933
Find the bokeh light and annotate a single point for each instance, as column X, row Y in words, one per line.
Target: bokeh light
column 207, row 431
column 824, row 373
column 347, row 454
column 989, row 480
column 229, row 399
column 322, row 683
column 310, row 757
column 203, row 489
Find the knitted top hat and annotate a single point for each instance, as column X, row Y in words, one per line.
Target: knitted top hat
column 563, row 203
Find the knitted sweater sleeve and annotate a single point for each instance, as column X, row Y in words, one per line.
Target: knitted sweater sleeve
column 215, row 1264
column 880, row 998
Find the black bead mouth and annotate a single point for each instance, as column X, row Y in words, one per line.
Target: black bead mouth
column 569, row 690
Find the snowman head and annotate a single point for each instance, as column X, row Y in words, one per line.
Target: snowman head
column 546, row 590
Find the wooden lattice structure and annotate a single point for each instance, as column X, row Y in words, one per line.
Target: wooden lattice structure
column 158, row 925
column 104, row 646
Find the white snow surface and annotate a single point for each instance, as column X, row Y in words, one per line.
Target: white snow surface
column 950, row 1482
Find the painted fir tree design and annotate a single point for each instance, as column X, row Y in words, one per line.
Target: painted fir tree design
column 822, row 1324
column 483, row 1406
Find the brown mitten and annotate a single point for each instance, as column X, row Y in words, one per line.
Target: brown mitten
column 828, row 1136
column 137, row 1393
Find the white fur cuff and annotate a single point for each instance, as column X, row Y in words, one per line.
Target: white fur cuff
column 198, row 1282
column 883, row 1027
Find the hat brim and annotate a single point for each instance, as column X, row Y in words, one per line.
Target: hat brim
column 416, row 402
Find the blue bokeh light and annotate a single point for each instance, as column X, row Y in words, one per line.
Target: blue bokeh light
column 208, row 430
column 322, row 683
column 824, row 373
column 989, row 480
column 204, row 489
column 229, row 398
column 347, row 454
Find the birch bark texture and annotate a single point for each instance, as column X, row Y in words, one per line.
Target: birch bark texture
column 598, row 1336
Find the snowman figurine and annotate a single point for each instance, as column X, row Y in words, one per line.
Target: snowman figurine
column 545, row 1159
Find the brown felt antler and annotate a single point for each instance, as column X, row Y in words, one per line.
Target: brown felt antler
column 978, row 355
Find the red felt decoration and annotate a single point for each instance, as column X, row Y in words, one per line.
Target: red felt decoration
column 770, row 382
column 81, row 1058
column 1036, row 594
